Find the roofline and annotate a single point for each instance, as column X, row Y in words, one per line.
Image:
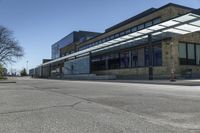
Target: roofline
column 169, row 4
column 88, row 51
column 129, row 20
column 76, row 32
column 155, row 10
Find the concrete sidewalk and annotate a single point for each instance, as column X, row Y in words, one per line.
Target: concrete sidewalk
column 194, row 82
column 6, row 81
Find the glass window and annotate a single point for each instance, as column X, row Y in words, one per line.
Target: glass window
column 113, row 61
column 182, row 50
column 141, row 57
column 156, row 21
column 148, row 24
column 198, row 54
column 157, row 55
column 141, row 27
column 134, row 58
column 124, row 60
column 116, row 35
column 128, row 31
column 191, row 54
column 134, row 29
column 107, row 39
column 187, row 54
column 112, row 37
column 122, row 33
column 182, row 54
column 146, row 56
column 98, row 63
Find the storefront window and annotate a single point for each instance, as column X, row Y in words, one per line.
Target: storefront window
column 187, row 53
column 124, row 60
column 198, row 54
column 146, row 56
column 141, row 57
column 134, row 58
column 191, row 54
column 98, row 63
column 182, row 54
column 157, row 55
column 113, row 61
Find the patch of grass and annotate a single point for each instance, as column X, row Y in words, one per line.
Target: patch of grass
column 2, row 78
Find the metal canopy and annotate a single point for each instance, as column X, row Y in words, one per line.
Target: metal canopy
column 184, row 24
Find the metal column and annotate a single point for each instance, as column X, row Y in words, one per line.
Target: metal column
column 90, row 58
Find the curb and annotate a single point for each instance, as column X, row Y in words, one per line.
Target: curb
column 7, row 82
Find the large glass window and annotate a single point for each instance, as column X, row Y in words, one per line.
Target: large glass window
column 191, row 54
column 98, row 63
column 141, row 57
column 157, row 55
column 187, row 53
column 124, row 60
column 134, row 58
column 198, row 54
column 146, row 56
column 113, row 61
column 182, row 54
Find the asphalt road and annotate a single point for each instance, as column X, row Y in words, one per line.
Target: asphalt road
column 53, row 106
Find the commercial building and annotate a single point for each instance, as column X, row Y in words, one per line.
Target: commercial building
column 157, row 43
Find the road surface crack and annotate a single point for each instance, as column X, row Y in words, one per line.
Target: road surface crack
column 40, row 109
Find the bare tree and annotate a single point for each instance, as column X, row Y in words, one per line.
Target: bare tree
column 10, row 50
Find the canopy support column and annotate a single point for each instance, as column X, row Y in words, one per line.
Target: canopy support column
column 150, row 57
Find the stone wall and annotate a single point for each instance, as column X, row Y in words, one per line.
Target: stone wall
column 189, row 38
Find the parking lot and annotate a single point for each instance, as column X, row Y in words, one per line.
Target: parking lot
column 58, row 106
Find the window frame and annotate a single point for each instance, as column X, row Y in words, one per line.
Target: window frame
column 195, row 53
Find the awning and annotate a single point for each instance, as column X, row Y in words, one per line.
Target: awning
column 184, row 24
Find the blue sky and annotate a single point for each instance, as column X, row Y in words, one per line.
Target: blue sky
column 37, row 24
